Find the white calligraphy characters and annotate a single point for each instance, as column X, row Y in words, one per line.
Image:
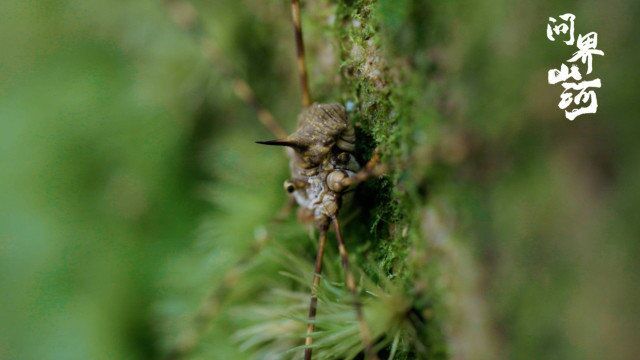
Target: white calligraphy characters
column 578, row 93
column 562, row 28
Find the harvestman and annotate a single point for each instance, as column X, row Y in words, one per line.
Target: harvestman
column 323, row 167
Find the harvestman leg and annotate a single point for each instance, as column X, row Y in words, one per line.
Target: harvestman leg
column 313, row 303
column 306, row 101
column 365, row 333
column 302, row 67
column 350, row 280
column 372, row 168
column 185, row 16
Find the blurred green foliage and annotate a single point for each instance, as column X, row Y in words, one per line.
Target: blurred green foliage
column 98, row 173
column 120, row 144
column 548, row 200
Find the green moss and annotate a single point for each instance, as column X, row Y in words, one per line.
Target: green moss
column 385, row 93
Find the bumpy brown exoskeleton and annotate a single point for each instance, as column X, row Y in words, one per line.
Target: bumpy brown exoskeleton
column 321, row 161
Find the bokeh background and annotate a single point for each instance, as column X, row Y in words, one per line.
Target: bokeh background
column 116, row 131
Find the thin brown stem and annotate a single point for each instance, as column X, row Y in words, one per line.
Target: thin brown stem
column 302, row 67
column 313, row 304
column 185, row 15
column 246, row 94
column 365, row 333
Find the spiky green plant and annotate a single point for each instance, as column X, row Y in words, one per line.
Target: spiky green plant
column 277, row 322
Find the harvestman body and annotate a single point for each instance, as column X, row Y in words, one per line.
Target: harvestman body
column 321, row 161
